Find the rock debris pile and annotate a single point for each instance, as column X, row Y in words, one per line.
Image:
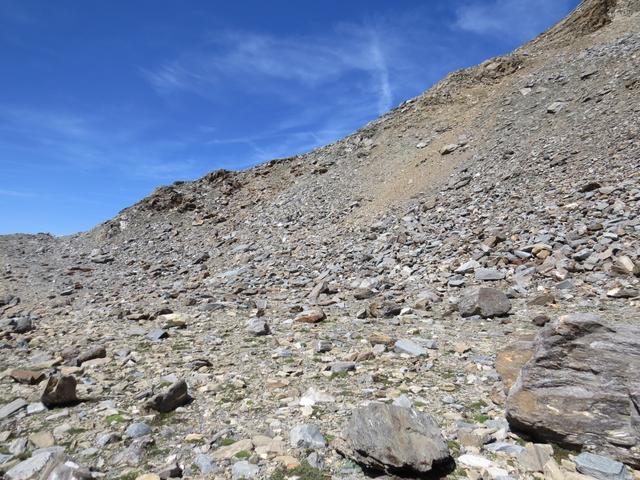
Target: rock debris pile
column 452, row 291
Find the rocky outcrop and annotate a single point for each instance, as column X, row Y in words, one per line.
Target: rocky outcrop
column 581, row 387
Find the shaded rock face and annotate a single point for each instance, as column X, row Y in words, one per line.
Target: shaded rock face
column 396, row 440
column 176, row 396
column 59, row 391
column 581, row 387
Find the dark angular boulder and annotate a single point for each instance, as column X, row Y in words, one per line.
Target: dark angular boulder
column 59, row 391
column 175, row 396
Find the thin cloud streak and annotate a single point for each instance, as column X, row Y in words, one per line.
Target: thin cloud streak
column 261, row 64
column 518, row 19
column 86, row 143
column 14, row 193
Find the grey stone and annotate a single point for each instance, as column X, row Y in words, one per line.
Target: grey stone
column 173, row 470
column 205, row 464
column 486, row 302
column 556, row 107
column 135, row 453
column 23, row 325
column 258, row 327
column 315, row 460
column 36, row 407
column 107, row 439
column 467, row 267
column 394, row 440
column 306, row 436
column 503, row 447
column 137, row 430
column 12, row 407
column 69, row 470
column 403, row 401
column 341, row 367
column 31, row 467
column 323, row 346
column 18, row 446
column 449, row 148
column 534, row 457
column 581, row 365
column 409, row 347
column 244, row 469
column 602, row 468
column 488, row 274
column 157, row 334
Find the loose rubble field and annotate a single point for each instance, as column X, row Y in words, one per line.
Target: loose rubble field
column 461, row 275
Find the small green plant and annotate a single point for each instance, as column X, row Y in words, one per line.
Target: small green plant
column 115, row 418
column 478, row 405
column 454, row 447
column 225, row 442
column 163, row 418
column 560, row 453
column 480, row 418
column 130, row 475
column 304, row 471
column 23, row 456
column 242, row 454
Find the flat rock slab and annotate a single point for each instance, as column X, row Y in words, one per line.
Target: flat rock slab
column 600, row 467
column 315, row 315
column 28, row 377
column 581, row 387
column 395, row 440
column 12, row 407
column 409, row 347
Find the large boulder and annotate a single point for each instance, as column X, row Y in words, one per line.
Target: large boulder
column 486, row 302
column 581, row 387
column 395, row 440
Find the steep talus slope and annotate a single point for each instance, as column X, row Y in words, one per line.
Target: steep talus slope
column 521, row 174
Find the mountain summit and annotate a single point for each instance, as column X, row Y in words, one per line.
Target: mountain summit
column 452, row 290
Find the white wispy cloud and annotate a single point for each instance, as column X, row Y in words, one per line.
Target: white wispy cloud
column 262, row 64
column 87, row 142
column 518, row 19
column 14, row 193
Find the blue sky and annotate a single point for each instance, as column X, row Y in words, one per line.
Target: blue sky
column 100, row 102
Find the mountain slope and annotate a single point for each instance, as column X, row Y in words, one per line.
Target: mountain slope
column 521, row 174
